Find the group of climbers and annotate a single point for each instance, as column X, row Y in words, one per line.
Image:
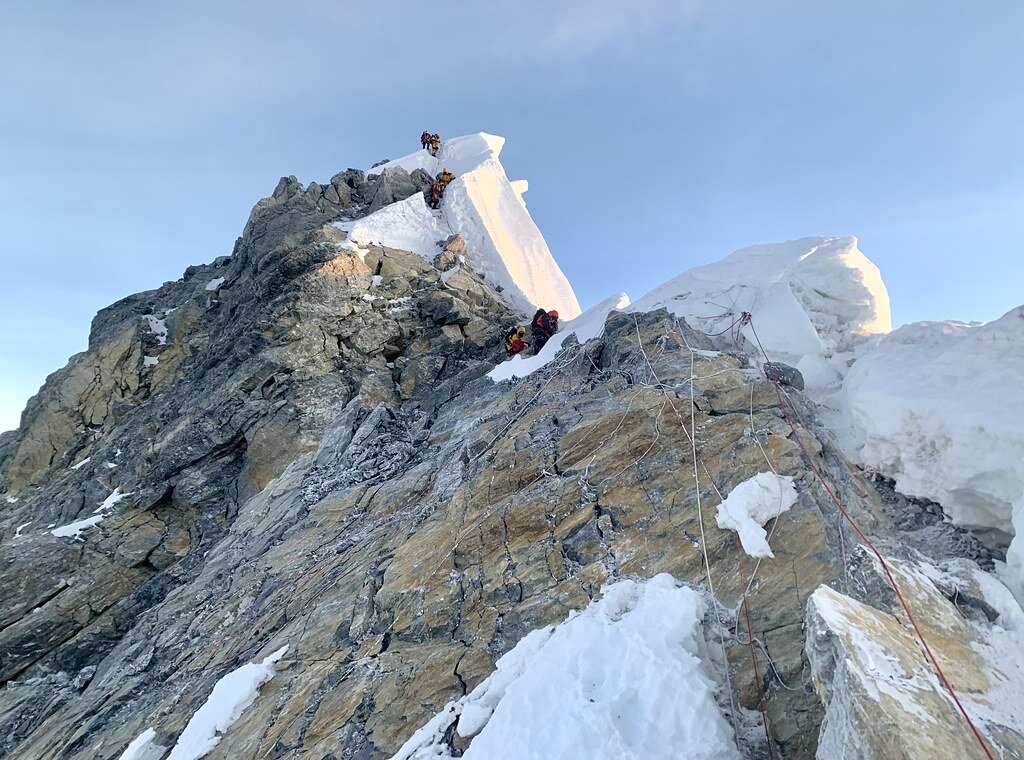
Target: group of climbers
column 437, row 189
column 544, row 323
column 543, row 326
column 431, row 142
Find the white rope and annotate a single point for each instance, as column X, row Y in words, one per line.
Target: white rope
column 692, row 435
column 775, row 522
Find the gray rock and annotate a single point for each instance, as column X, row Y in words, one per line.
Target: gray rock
column 784, row 374
column 421, row 179
column 394, row 184
column 318, row 460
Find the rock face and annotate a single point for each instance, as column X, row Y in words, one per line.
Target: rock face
column 881, row 695
column 317, row 460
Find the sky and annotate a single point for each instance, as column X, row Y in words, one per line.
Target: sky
column 656, row 136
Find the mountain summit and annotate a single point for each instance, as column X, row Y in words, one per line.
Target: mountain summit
column 300, row 504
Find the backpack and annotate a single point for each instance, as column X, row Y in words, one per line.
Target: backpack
column 541, row 323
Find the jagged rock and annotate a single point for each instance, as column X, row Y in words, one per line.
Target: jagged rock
column 317, row 460
column 378, row 388
column 393, row 184
column 287, row 187
column 455, row 244
column 421, row 179
column 881, row 694
column 445, row 261
column 454, row 249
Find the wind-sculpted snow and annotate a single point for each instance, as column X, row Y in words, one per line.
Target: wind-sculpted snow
column 482, row 205
column 810, row 298
column 937, row 406
column 407, row 225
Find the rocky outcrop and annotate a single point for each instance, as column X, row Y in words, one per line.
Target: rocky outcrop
column 316, row 459
column 883, row 698
column 190, row 399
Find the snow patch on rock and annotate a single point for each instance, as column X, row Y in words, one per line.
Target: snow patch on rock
column 751, row 504
column 226, row 703
column 406, row 225
column 158, row 327
column 624, row 678
column 74, row 530
column 143, row 747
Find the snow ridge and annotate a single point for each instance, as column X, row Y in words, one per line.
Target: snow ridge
column 812, row 297
column 482, row 205
column 936, row 406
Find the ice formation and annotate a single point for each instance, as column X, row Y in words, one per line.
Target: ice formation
column 937, row 407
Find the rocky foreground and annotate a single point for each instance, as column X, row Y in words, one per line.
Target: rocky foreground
column 306, row 453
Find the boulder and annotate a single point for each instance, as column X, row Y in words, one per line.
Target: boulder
column 394, row 184
column 421, row 179
column 784, row 374
column 880, row 691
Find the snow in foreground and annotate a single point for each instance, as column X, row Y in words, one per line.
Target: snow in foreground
column 937, row 407
column 751, row 504
column 621, row 680
column 588, row 325
column 503, row 242
column 229, row 698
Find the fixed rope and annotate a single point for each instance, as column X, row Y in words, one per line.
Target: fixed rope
column 697, row 458
column 746, row 318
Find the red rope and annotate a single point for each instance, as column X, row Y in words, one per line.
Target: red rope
column 747, row 319
column 757, row 678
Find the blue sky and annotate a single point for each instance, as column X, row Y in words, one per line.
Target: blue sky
column 656, row 136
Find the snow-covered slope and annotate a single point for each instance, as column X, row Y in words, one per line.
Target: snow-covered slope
column 407, row 225
column 623, row 679
column 937, row 406
column 811, row 298
column 483, row 206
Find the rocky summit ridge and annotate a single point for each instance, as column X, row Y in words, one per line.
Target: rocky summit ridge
column 297, row 446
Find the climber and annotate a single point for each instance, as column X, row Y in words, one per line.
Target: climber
column 514, row 341
column 425, row 140
column 436, row 195
column 445, row 177
column 544, row 325
column 435, row 144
